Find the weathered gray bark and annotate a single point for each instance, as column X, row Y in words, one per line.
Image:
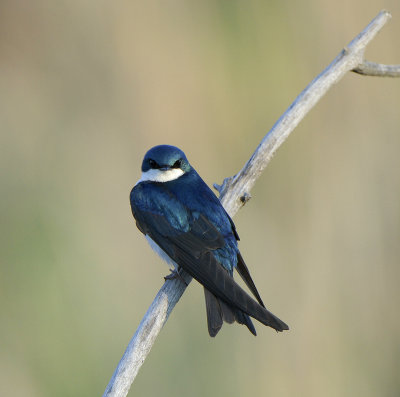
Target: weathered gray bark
column 377, row 69
column 235, row 191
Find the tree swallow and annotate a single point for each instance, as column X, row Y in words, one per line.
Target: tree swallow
column 185, row 223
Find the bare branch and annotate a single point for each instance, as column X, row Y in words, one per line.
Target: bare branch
column 234, row 193
column 349, row 58
column 145, row 336
column 377, row 69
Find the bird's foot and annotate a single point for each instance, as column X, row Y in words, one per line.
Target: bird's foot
column 175, row 274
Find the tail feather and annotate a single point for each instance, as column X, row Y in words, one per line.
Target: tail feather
column 218, row 311
column 214, row 313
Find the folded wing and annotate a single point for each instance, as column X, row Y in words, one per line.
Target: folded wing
column 192, row 250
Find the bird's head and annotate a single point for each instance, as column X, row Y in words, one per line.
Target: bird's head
column 164, row 163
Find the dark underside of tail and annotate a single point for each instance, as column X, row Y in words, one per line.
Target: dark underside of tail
column 218, row 312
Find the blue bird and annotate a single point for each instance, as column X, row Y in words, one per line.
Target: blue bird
column 185, row 223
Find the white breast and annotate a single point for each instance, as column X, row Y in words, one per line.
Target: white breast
column 158, row 250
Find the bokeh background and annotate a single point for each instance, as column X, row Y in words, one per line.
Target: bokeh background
column 87, row 87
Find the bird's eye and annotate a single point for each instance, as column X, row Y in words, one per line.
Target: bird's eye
column 153, row 164
column 177, row 164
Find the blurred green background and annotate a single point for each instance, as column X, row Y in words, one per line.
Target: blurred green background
column 87, row 87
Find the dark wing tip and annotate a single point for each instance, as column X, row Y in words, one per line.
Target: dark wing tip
column 280, row 326
column 244, row 273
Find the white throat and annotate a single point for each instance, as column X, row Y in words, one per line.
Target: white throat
column 160, row 176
